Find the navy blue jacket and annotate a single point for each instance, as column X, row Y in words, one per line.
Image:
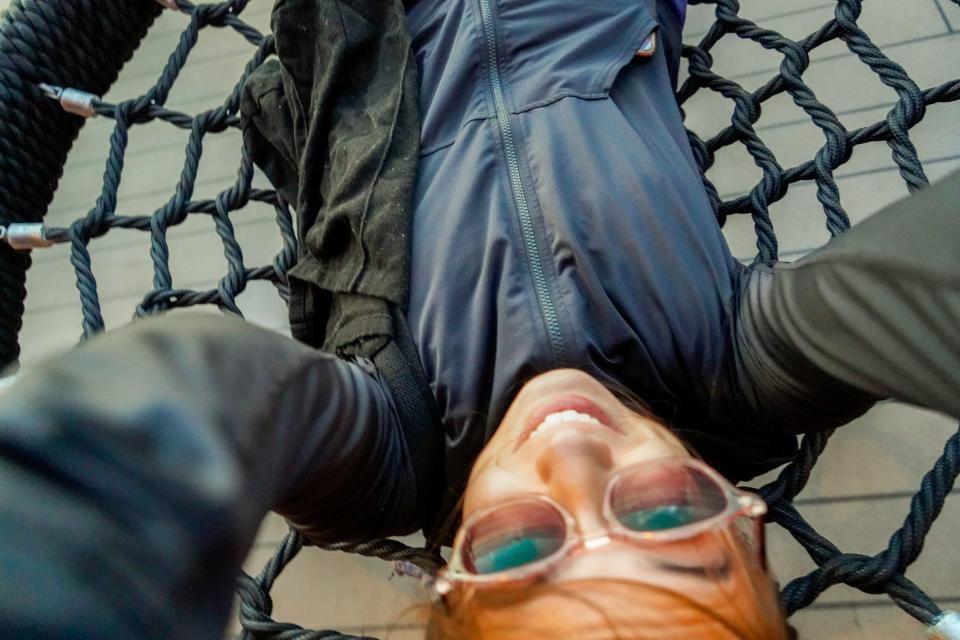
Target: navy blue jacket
column 560, row 221
column 558, row 218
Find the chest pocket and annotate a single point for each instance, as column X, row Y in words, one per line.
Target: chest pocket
column 552, row 49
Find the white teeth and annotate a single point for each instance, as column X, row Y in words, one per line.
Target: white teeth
column 560, row 417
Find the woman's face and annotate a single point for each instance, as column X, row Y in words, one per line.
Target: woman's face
column 571, row 460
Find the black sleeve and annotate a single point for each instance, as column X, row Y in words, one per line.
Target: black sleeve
column 873, row 314
column 135, row 471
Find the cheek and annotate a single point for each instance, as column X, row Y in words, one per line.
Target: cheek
column 505, row 438
column 652, row 448
column 490, row 483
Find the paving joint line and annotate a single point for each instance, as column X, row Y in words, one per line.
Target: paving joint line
column 943, row 15
column 846, row 54
column 776, row 16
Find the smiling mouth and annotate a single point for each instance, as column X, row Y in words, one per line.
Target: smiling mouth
column 553, row 420
column 571, row 409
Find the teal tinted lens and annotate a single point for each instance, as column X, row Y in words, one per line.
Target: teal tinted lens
column 665, row 495
column 513, row 536
column 659, row 518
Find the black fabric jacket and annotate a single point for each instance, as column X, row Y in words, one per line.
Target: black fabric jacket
column 333, row 122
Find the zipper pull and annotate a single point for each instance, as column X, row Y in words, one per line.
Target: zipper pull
column 649, row 46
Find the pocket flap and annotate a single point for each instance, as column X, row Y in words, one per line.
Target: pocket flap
column 566, row 48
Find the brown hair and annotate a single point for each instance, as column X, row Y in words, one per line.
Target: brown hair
column 602, row 609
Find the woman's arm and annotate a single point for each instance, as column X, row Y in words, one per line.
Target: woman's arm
column 874, row 314
column 135, row 471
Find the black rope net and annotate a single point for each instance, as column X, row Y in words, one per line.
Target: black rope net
column 102, row 36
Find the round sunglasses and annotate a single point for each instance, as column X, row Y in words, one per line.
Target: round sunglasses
column 648, row 503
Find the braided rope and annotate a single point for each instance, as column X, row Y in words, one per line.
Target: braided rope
column 80, row 42
column 36, row 46
column 884, row 572
column 908, row 111
column 254, row 593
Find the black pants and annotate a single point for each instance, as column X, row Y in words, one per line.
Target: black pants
column 135, row 470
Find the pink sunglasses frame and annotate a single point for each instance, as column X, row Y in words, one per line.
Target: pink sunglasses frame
column 739, row 503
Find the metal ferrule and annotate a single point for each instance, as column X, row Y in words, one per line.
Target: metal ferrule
column 23, row 235
column 169, row 4
column 436, row 587
column 947, row 627
column 649, row 46
column 72, row 100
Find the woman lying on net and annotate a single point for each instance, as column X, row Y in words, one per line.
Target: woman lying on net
column 565, row 262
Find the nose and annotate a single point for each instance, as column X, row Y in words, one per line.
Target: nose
column 575, row 468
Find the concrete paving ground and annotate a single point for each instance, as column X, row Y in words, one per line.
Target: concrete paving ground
column 859, row 492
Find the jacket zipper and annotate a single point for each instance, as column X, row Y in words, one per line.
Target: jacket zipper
column 544, row 297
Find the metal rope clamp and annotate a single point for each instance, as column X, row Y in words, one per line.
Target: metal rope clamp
column 25, row 235
column 947, row 627
column 72, row 100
